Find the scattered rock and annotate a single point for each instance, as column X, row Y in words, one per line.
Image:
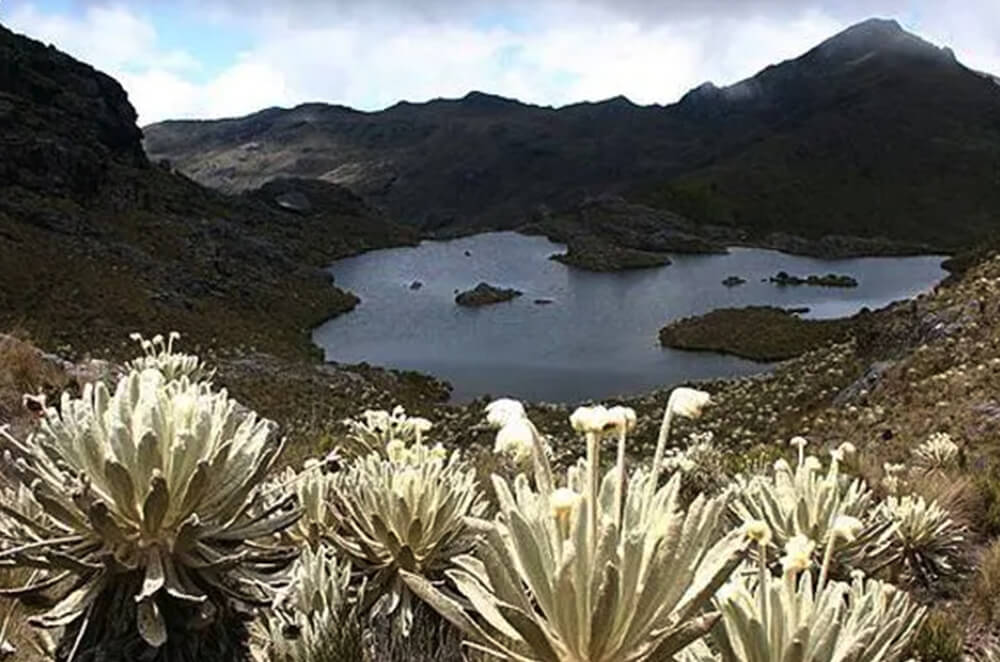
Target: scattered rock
column 416, row 285
column 294, row 201
column 865, row 384
column 733, row 281
column 485, row 294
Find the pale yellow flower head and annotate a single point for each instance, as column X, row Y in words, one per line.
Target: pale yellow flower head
column 758, row 531
column 847, row 527
column 622, row 418
column 798, row 554
column 502, row 411
column 562, row 501
column 590, row 420
column 812, row 463
column 848, row 450
column 688, row 402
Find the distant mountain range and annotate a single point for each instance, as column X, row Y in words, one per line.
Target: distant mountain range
column 874, row 133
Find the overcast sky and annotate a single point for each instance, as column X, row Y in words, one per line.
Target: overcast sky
column 217, row 58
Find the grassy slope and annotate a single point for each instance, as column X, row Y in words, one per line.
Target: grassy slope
column 930, row 365
column 900, row 143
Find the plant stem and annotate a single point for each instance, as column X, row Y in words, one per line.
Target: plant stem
column 620, row 483
column 661, row 447
column 763, row 586
column 593, row 448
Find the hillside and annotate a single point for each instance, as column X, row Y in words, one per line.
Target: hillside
column 874, row 133
column 922, row 367
column 96, row 242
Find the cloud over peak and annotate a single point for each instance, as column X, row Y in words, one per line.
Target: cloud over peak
column 222, row 58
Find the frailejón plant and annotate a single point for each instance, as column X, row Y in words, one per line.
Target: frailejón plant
column 938, row 453
column 149, row 501
column 929, row 543
column 310, row 615
column 595, row 570
column 375, row 429
column 807, row 502
column 407, row 511
column 311, row 487
column 797, row 618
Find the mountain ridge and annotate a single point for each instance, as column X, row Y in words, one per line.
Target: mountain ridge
column 841, row 134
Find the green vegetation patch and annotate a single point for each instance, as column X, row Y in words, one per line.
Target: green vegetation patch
column 760, row 333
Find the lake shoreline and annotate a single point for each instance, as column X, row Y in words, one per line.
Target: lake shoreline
column 597, row 334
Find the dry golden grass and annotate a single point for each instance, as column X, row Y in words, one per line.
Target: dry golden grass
column 24, row 370
column 14, row 628
column 942, row 638
column 984, row 596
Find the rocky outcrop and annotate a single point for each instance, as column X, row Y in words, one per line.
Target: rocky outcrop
column 63, row 124
column 95, row 243
column 485, row 294
column 784, row 279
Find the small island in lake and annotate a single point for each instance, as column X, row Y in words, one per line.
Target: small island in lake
column 733, row 281
column 759, row 333
column 596, row 255
column 485, row 294
column 829, row 280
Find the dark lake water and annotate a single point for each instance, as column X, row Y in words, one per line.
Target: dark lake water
column 599, row 336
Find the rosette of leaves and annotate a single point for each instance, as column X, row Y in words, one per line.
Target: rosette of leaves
column 794, row 618
column 807, row 501
column 405, row 512
column 312, row 619
column 375, row 429
column 152, row 526
column 595, row 571
column 930, row 544
column 938, row 453
column 159, row 354
column 311, row 487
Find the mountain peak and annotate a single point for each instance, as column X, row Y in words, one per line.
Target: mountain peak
column 486, row 100
column 876, row 27
column 877, row 35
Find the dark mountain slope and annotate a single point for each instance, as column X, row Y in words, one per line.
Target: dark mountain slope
column 874, row 132
column 96, row 242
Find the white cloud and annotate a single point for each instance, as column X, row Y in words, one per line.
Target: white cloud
column 369, row 55
column 109, row 36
